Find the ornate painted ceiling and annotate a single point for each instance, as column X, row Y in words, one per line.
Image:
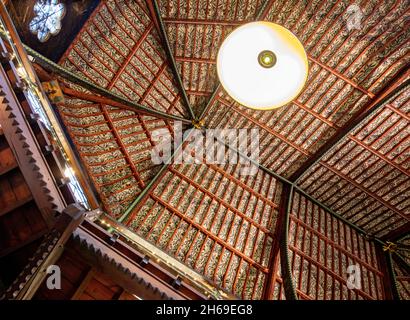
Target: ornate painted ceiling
column 345, row 140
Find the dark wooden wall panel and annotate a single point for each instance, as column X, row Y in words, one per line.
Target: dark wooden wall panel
column 80, row 281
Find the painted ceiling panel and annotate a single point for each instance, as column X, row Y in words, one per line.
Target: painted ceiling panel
column 115, row 146
column 119, row 49
column 216, row 221
column 366, row 176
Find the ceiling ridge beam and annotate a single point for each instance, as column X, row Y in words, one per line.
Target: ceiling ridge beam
column 160, row 26
column 286, row 269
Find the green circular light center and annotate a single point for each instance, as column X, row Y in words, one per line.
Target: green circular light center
column 267, row 59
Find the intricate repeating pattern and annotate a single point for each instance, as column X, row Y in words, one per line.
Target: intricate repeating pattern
column 216, row 221
column 322, row 247
column 366, row 177
column 195, row 39
column 119, row 48
column 115, row 147
column 338, row 59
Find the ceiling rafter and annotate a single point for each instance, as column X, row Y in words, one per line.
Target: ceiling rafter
column 63, row 72
column 159, row 23
column 108, row 101
column 341, row 76
column 130, row 62
column 153, row 7
column 337, row 74
column 282, row 227
column 326, row 68
column 379, row 154
column 365, row 190
column 368, row 93
column 131, row 54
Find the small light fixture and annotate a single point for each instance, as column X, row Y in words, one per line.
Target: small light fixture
column 262, row 65
column 267, row 59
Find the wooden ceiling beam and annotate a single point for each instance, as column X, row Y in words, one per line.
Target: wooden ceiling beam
column 132, row 247
column 28, row 154
column 30, row 279
column 341, row 76
column 297, row 188
column 159, row 24
column 357, row 185
column 130, row 55
column 379, row 154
